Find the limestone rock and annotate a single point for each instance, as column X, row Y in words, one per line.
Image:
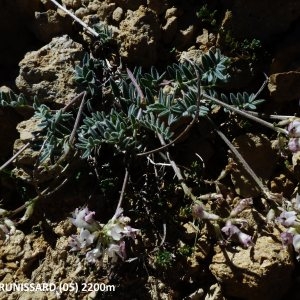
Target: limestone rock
column 262, row 272
column 26, row 129
column 144, row 26
column 206, row 40
column 130, row 4
column 24, row 163
column 274, row 17
column 72, row 3
column 27, row 158
column 102, row 9
column 118, row 14
column 194, row 55
column 258, row 153
column 48, row 72
column 285, row 86
column 50, row 24
column 172, row 12
column 12, row 251
column 214, row 293
column 169, row 29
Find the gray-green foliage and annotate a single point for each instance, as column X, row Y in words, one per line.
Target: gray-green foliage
column 105, row 33
column 162, row 101
column 142, row 106
column 242, row 100
column 10, row 99
column 85, row 75
column 56, row 127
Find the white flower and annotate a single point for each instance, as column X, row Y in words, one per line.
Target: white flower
column 7, row 228
column 287, row 218
column 199, row 212
column 115, row 231
column 83, row 240
column 231, row 230
column 242, row 205
column 245, row 239
column 116, row 250
column 117, row 227
column 84, row 219
column 287, row 238
column 296, row 244
column 294, row 144
column 129, row 231
column 93, row 255
column 294, row 129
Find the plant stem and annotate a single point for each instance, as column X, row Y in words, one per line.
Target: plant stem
column 245, row 165
column 72, row 136
column 186, row 129
column 272, row 117
column 246, row 115
column 14, row 156
column 123, row 189
column 177, row 171
column 89, row 29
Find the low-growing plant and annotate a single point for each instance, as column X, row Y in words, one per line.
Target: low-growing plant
column 141, row 116
column 163, row 259
column 10, row 99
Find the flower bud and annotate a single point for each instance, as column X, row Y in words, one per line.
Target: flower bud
column 198, row 212
column 243, row 204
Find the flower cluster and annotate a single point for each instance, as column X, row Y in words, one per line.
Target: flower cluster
column 294, row 133
column 289, row 219
column 234, row 232
column 98, row 239
column 231, row 231
column 7, row 226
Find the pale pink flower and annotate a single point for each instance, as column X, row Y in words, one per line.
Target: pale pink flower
column 83, row 218
column 294, row 144
column 199, row 212
column 83, row 240
column 242, row 205
column 233, row 231
column 294, row 129
column 116, row 250
column 245, row 239
column 287, row 218
column 287, row 238
column 93, row 255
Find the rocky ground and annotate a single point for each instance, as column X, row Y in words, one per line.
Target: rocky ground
column 41, row 45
